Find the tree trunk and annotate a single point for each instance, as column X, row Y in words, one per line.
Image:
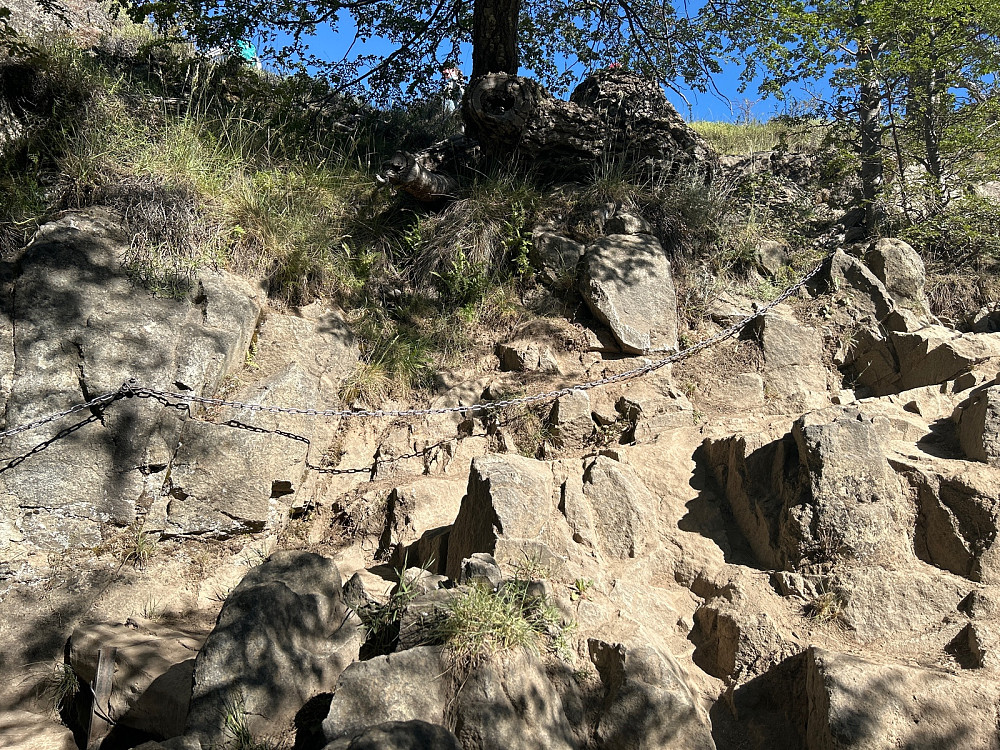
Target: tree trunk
column 613, row 121
column 405, row 172
column 870, row 132
column 930, row 127
column 494, row 37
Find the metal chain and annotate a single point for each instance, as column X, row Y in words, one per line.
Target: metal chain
column 179, row 400
column 106, row 398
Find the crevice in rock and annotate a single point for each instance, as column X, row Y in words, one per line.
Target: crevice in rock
column 281, row 488
column 201, row 300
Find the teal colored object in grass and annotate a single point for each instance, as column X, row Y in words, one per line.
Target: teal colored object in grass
column 247, row 51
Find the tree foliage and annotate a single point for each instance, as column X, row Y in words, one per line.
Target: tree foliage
column 915, row 79
column 556, row 40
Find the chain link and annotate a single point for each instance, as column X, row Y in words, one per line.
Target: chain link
column 131, row 388
column 101, row 400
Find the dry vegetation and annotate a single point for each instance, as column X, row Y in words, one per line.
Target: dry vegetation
column 219, row 165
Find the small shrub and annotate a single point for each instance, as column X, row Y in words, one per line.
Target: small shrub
column 966, row 234
column 479, row 240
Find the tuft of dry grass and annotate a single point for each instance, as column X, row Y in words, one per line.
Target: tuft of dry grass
column 749, row 137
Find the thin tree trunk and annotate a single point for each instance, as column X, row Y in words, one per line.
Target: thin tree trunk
column 870, row 131
column 930, row 130
column 900, row 158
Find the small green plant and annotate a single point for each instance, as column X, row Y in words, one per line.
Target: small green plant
column 580, row 588
column 138, row 546
column 250, row 358
column 826, row 607
column 381, row 621
column 236, row 728
column 221, row 593
column 152, row 609
column 609, row 434
column 238, row 735
column 531, row 568
column 57, row 685
column 257, row 555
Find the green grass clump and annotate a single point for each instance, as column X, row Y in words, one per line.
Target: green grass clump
column 481, row 623
column 826, row 607
column 238, row 735
column 57, row 685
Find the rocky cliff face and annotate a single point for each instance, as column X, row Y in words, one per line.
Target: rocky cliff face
column 784, row 561
column 78, row 325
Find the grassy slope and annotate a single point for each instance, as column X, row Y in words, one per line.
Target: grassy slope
column 220, row 165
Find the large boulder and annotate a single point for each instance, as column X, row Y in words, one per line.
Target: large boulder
column 900, row 268
column 283, row 636
column 554, row 255
column 241, row 471
column 647, row 701
column 80, row 323
column 936, row 354
column 229, row 478
column 862, row 705
column 820, row 493
column 868, row 296
column 416, row 513
column 959, row 520
column 509, row 501
column 627, row 284
column 510, row 702
column 618, row 513
column 81, row 326
column 733, row 642
column 612, row 117
column 504, row 702
column 896, row 354
column 793, row 361
column 24, row 730
column 414, row 684
column 979, row 426
column 518, row 508
column 570, row 420
column 640, row 126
